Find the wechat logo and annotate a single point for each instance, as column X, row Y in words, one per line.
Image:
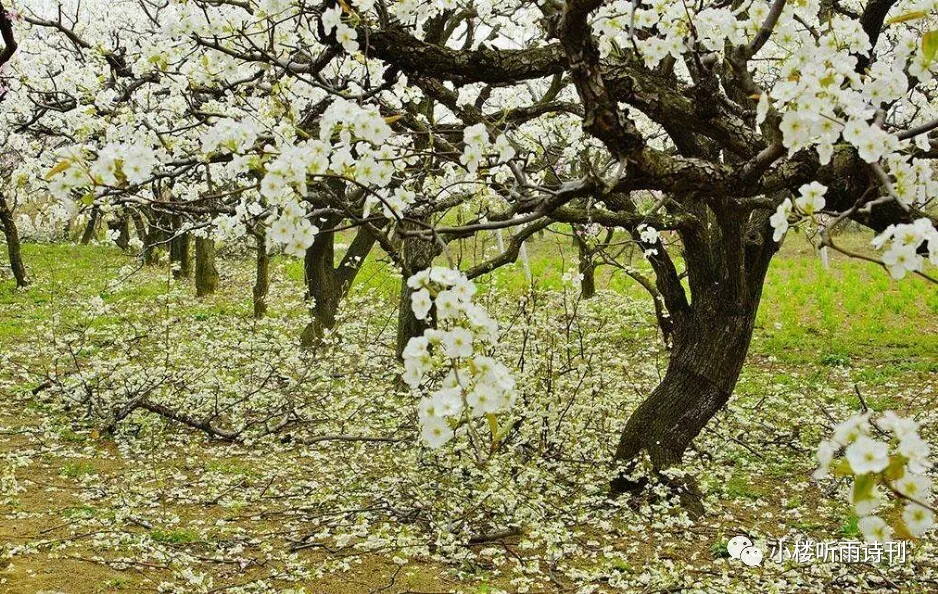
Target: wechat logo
column 740, row 547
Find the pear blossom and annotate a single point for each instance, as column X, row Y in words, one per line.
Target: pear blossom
column 918, row 519
column 435, row 431
column 421, row 303
column 779, row 220
column 875, row 529
column 867, row 455
column 811, row 198
column 457, row 343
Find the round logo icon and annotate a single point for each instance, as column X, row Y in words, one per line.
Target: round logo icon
column 740, row 547
column 736, row 545
column 751, row 556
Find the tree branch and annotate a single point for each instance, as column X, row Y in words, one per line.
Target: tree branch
column 9, row 39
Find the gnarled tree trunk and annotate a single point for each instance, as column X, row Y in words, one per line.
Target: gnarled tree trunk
column 121, row 225
column 179, row 257
column 92, row 226
column 710, row 340
column 586, row 267
column 156, row 233
column 326, row 283
column 709, row 348
column 13, row 244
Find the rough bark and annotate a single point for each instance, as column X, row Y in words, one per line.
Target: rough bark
column 13, row 244
column 156, row 234
column 417, row 253
column 586, row 267
column 179, row 248
column 328, row 284
column 121, row 224
column 92, row 226
column 711, row 337
column 710, row 347
column 262, row 272
column 206, row 275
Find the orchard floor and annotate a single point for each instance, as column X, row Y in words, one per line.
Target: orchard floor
column 158, row 507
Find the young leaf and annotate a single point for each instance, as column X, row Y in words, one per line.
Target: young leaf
column 863, row 487
column 909, row 16
column 59, row 168
column 930, row 45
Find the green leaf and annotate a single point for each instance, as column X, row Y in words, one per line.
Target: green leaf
column 863, row 487
column 59, row 168
column 896, row 468
column 930, row 45
column 909, row 16
column 842, row 468
column 902, row 532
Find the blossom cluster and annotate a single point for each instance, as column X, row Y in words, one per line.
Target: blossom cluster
column 228, row 133
column 477, row 145
column 810, row 201
column 344, row 34
column 820, row 94
column 475, row 385
column 116, row 164
column 357, row 131
column 905, row 244
column 883, row 453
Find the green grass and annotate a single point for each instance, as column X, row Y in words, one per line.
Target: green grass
column 61, row 271
column 844, row 316
column 739, row 487
column 850, row 527
column 77, row 469
column 175, row 536
column 850, row 320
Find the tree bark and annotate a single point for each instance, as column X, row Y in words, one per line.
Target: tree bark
column 328, row 284
column 709, row 349
column 13, row 244
column 262, row 272
column 417, row 254
column 157, row 232
column 586, row 267
column 122, row 226
column 179, row 250
column 711, row 338
column 92, row 225
column 206, row 275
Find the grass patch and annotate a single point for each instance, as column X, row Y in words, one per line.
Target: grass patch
column 77, row 469
column 174, row 536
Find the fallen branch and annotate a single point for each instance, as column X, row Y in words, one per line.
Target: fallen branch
column 362, row 438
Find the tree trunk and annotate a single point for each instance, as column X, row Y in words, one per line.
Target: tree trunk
column 140, row 227
column 327, row 284
column 92, row 225
column 711, row 338
column 122, row 226
column 206, row 275
column 418, row 254
column 157, row 232
column 321, row 286
column 586, row 267
column 262, row 272
column 179, row 254
column 13, row 244
column 179, row 251
column 707, row 357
